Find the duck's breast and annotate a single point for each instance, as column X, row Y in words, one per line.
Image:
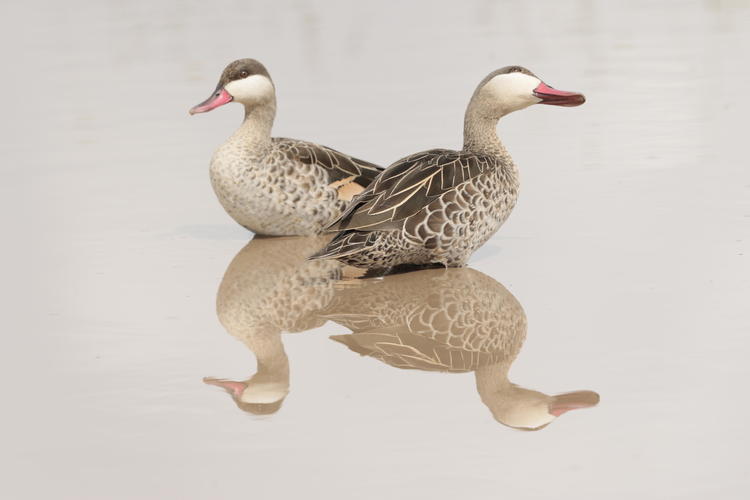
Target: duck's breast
column 271, row 194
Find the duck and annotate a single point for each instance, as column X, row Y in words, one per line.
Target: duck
column 276, row 186
column 455, row 320
column 436, row 207
column 270, row 289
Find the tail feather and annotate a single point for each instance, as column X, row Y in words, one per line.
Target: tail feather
column 343, row 244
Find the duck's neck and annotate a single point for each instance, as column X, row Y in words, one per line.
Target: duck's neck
column 511, row 404
column 268, row 348
column 496, row 391
column 493, row 379
column 256, row 127
column 480, row 134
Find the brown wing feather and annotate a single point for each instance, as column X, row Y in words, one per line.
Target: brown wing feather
column 337, row 165
column 407, row 186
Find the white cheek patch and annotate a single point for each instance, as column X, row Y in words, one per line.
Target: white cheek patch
column 528, row 417
column 264, row 393
column 513, row 90
column 254, row 88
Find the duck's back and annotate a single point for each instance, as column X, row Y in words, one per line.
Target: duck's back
column 437, row 206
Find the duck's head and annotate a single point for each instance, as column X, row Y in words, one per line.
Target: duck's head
column 531, row 410
column 513, row 88
column 245, row 81
column 258, row 398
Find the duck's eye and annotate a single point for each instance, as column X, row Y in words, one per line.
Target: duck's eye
column 517, row 70
column 243, row 74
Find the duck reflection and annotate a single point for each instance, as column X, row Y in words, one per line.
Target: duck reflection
column 449, row 320
column 270, row 288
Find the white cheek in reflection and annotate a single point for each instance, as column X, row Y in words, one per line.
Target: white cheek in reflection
column 264, row 393
column 528, row 416
column 254, row 88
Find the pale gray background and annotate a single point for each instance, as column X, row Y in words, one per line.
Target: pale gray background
column 628, row 250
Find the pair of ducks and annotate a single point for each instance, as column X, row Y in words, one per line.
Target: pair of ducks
column 430, row 208
column 452, row 320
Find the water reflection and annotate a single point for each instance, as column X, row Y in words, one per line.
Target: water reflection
column 450, row 320
column 270, row 288
column 447, row 320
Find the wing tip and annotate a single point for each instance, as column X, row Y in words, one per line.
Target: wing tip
column 323, row 253
column 342, row 245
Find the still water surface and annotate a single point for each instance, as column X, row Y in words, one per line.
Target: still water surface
column 622, row 275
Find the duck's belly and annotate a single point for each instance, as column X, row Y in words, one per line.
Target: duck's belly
column 275, row 201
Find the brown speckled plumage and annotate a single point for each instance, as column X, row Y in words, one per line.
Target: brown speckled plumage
column 453, row 320
column 283, row 187
column 449, row 320
column 279, row 186
column 268, row 289
column 432, row 207
column 437, row 207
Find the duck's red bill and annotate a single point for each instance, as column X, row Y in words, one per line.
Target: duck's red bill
column 548, row 95
column 218, row 98
column 232, row 387
column 572, row 401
